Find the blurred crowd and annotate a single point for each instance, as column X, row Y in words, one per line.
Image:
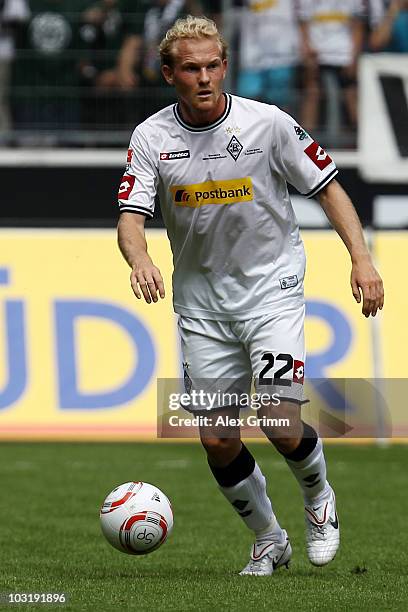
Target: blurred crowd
column 83, row 66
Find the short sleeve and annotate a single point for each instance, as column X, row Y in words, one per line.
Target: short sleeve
column 376, row 12
column 298, row 158
column 138, row 187
column 359, row 9
column 303, row 10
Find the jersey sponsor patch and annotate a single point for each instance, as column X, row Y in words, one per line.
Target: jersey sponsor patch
column 126, row 186
column 213, row 156
column 298, row 371
column 129, row 159
column 213, row 192
column 318, row 155
column 175, row 155
column 300, row 132
column 288, row 281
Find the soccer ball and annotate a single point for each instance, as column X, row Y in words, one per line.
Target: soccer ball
column 136, row 518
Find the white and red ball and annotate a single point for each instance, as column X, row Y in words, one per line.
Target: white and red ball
column 136, row 518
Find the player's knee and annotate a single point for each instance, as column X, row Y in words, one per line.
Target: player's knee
column 219, row 447
column 285, row 445
column 214, row 444
column 285, row 439
column 282, row 425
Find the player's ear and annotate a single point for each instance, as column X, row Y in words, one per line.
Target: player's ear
column 167, row 72
column 225, row 66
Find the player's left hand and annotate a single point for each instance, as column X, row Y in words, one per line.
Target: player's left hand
column 365, row 280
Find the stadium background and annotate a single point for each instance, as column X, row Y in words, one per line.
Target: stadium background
column 80, row 356
column 68, row 312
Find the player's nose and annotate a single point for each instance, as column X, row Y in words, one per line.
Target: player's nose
column 204, row 76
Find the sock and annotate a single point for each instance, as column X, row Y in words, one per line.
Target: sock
column 308, row 464
column 244, row 486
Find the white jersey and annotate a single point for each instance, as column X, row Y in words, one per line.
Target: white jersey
column 223, row 191
column 329, row 24
column 268, row 34
column 376, row 11
column 13, row 11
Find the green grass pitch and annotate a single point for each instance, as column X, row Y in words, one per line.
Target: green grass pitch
column 51, row 539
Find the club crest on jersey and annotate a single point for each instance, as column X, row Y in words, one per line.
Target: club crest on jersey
column 175, row 155
column 318, row 155
column 187, row 380
column 213, row 192
column 234, row 148
column 298, row 371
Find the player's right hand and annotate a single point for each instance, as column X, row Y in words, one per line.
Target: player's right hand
column 146, row 280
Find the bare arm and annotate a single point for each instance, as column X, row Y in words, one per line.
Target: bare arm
column 343, row 217
column 128, row 60
column 357, row 35
column 381, row 35
column 145, row 276
column 309, row 55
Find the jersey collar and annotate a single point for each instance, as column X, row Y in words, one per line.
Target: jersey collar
column 205, row 128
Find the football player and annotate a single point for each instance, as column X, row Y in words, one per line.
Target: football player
column 220, row 165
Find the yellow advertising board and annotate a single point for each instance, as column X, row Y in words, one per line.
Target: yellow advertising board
column 338, row 336
column 81, row 355
column 391, row 252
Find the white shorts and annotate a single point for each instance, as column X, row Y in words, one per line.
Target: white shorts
column 226, row 356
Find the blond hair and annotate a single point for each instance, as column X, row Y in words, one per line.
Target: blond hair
column 190, row 27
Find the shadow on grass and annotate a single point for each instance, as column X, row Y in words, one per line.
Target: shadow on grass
column 195, row 574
